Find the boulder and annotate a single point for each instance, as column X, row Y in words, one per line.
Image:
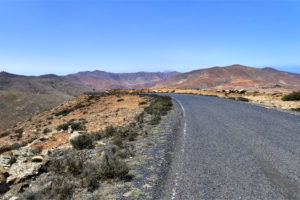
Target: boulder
column 37, row 159
column 74, row 135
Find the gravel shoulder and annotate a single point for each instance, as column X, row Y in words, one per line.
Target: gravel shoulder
column 154, row 154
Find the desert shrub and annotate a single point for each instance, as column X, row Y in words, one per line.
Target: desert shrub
column 64, row 112
column 64, row 127
column 70, row 163
column 82, row 142
column 62, row 188
column 3, row 134
column 37, row 150
column 79, row 106
column 49, row 118
column 125, row 151
column 117, row 140
column 112, row 166
column 155, row 119
column 19, row 133
column 140, row 118
column 143, row 103
column 129, row 132
column 119, row 100
column 90, row 176
column 109, row 131
column 294, row 96
column 242, row 99
column 296, row 109
column 20, row 130
column 160, row 105
column 77, row 126
column 46, row 130
column 97, row 135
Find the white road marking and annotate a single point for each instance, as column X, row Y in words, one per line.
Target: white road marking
column 181, row 156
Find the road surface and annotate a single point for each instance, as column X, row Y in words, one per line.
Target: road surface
column 234, row 150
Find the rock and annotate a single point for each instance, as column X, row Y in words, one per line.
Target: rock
column 4, row 160
column 14, row 198
column 74, row 135
column 147, row 186
column 37, row 159
column 21, row 170
column 127, row 194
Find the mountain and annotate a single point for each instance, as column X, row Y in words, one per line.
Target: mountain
column 101, row 80
column 232, row 77
column 25, row 96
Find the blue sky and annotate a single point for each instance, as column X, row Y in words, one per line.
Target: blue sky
column 39, row 37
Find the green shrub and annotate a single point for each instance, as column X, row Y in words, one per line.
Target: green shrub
column 46, row 130
column 242, row 99
column 109, row 131
column 112, row 167
column 70, row 163
column 98, row 135
column 19, row 133
column 296, row 109
column 82, row 142
column 143, row 103
column 64, row 112
column 3, row 134
column 119, row 100
column 77, row 126
column 64, row 127
column 294, row 96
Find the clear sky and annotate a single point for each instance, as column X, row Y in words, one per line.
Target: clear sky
column 39, row 37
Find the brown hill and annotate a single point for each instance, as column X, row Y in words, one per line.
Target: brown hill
column 101, row 80
column 232, row 77
column 25, row 96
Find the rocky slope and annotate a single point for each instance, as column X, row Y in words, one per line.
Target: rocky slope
column 91, row 147
column 232, row 77
column 23, row 96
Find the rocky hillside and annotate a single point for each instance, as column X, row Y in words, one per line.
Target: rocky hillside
column 82, row 149
column 23, row 96
column 101, row 80
column 232, row 77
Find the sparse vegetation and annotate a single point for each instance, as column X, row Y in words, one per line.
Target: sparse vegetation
column 159, row 106
column 4, row 134
column 294, row 96
column 64, row 112
column 142, row 103
column 112, row 167
column 296, row 109
column 75, row 126
column 83, row 141
column 242, row 99
column 46, row 130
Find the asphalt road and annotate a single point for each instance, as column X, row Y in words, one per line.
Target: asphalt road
column 234, row 150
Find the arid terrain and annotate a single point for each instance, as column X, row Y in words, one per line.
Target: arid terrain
column 38, row 156
column 22, row 97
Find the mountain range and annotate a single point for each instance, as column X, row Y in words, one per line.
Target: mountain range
column 25, row 96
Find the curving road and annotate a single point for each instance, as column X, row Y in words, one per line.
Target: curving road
column 234, row 150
